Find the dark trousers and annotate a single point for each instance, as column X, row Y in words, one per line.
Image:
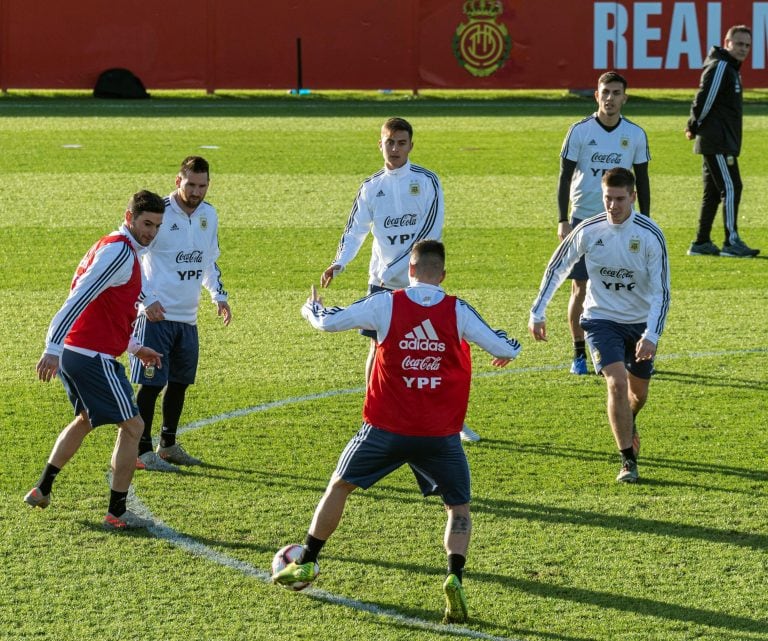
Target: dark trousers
column 722, row 183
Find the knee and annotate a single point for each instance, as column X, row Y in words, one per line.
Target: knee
column 133, row 428
column 338, row 485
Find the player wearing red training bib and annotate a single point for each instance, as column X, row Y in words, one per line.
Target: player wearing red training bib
column 414, row 406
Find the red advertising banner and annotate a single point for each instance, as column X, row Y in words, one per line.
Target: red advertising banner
column 370, row 44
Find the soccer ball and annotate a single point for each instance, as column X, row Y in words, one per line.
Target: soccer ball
column 286, row 555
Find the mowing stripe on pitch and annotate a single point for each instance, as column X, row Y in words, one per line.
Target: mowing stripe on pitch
column 162, row 531
column 500, row 372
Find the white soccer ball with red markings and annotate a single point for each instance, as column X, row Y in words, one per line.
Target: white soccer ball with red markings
column 286, row 555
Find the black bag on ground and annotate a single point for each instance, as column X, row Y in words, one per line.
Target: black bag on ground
column 119, row 83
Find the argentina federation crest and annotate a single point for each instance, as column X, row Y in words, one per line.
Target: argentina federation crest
column 414, row 189
column 634, row 244
column 203, row 223
column 481, row 45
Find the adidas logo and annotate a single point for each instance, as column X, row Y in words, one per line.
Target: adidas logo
column 423, row 337
column 174, row 227
column 380, row 194
column 599, row 242
column 592, row 143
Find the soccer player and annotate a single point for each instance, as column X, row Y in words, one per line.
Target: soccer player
column 626, row 304
column 85, row 337
column 414, row 406
column 400, row 205
column 593, row 146
column 716, row 125
column 178, row 264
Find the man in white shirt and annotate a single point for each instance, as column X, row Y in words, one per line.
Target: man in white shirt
column 178, row 264
column 626, row 304
column 400, row 205
column 592, row 146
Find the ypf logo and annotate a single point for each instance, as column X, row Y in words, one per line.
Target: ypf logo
column 482, row 45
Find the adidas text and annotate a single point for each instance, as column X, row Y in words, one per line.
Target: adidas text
column 422, row 345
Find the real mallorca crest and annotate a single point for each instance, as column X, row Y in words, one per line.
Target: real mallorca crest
column 482, row 45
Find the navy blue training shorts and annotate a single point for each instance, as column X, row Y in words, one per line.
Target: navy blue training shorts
column 439, row 462
column 97, row 385
column 177, row 342
column 612, row 342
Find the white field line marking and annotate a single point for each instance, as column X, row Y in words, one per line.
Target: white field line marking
column 162, row 531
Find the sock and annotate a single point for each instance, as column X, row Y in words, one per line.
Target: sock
column 628, row 455
column 117, row 502
column 579, row 349
column 173, row 403
column 47, row 478
column 167, row 437
column 456, row 565
column 146, row 398
column 312, row 547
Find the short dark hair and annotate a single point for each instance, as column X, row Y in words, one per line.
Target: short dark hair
column 194, row 165
column 619, row 177
column 397, row 124
column 612, row 76
column 738, row 28
column 428, row 255
column 145, row 201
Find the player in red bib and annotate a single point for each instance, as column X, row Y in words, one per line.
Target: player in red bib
column 85, row 337
column 414, row 406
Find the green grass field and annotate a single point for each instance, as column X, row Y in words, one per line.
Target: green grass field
column 560, row 552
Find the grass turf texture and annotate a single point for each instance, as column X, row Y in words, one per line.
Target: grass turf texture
column 559, row 550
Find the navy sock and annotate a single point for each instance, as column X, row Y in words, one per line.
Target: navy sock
column 579, row 349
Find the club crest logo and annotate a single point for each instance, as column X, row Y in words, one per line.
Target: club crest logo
column 624, row 143
column 413, row 188
column 482, row 44
column 203, row 223
column 634, row 245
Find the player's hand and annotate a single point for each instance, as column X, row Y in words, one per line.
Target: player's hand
column 563, row 229
column 328, row 275
column 155, row 312
column 223, row 310
column 149, row 357
column 314, row 299
column 501, row 362
column 689, row 134
column 645, row 350
column 47, row 367
column 538, row 330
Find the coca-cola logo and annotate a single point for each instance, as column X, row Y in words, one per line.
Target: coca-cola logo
column 613, row 158
column 617, row 273
column 406, row 220
column 428, row 363
column 195, row 256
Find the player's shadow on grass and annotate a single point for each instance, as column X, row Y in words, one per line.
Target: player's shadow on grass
column 633, row 605
column 570, row 452
column 545, row 513
column 710, row 380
